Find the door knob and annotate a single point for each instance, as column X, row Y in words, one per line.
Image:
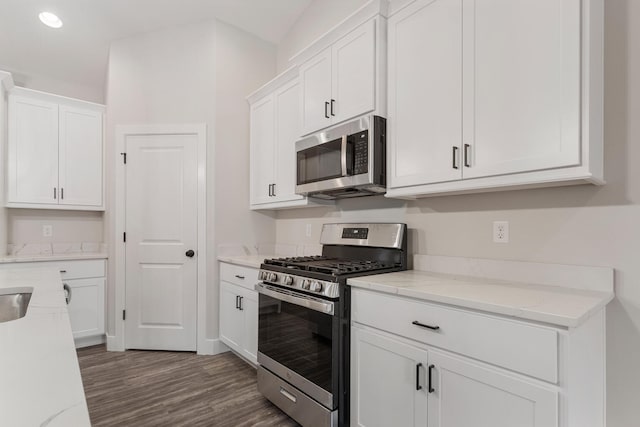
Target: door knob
column 190, row 253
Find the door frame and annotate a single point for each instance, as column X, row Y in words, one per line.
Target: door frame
column 119, row 211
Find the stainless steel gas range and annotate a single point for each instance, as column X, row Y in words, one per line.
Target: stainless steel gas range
column 304, row 319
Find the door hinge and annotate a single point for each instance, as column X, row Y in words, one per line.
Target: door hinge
column 124, row 157
column 124, row 237
column 124, row 314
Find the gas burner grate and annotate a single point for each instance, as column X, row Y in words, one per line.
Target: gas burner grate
column 325, row 265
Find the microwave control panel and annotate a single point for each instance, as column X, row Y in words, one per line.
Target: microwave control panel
column 361, row 152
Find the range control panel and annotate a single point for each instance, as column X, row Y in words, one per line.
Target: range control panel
column 355, row 233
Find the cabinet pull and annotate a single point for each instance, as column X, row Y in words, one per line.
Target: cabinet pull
column 237, row 302
column 63, row 271
column 239, row 276
column 333, row 101
column 269, row 190
column 422, row 325
column 67, row 293
column 454, row 161
column 62, row 194
column 55, row 193
column 418, row 386
column 326, row 106
column 274, row 190
column 431, row 389
column 241, row 307
column 466, row 155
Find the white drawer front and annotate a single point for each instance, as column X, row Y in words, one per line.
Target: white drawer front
column 243, row 276
column 529, row 349
column 73, row 269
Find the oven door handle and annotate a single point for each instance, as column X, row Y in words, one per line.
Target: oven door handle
column 343, row 155
column 302, row 300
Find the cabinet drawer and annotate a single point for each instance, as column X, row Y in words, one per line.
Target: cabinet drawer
column 243, row 276
column 78, row 269
column 525, row 348
column 73, row 269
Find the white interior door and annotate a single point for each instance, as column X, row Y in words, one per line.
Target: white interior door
column 161, row 227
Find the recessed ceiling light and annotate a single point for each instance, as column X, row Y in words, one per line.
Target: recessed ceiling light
column 50, row 20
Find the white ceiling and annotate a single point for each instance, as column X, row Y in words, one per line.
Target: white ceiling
column 78, row 51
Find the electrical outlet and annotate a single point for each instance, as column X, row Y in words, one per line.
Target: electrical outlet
column 47, row 231
column 308, row 230
column 500, row 231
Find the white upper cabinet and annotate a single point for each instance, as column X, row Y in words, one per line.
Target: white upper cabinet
column 339, row 82
column 55, row 152
column 315, row 76
column 494, row 95
column 425, row 94
column 80, row 158
column 275, row 127
column 262, row 150
column 33, row 151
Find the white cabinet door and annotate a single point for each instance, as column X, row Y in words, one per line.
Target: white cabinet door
column 262, row 150
column 249, row 306
column 353, row 74
column 467, row 394
column 86, row 306
column 388, row 385
column 522, row 85
column 315, row 79
column 287, row 125
column 231, row 318
column 80, row 157
column 425, row 93
column 33, row 151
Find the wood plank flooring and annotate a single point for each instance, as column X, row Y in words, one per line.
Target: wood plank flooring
column 159, row 388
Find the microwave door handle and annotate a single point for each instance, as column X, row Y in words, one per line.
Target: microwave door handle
column 343, row 156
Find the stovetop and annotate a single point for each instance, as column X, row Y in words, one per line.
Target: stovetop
column 327, row 265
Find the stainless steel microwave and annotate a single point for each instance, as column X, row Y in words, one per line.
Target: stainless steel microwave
column 348, row 160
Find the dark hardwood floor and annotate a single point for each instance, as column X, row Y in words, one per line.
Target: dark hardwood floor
column 159, row 388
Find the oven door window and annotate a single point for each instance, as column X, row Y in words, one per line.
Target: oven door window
column 324, row 161
column 298, row 338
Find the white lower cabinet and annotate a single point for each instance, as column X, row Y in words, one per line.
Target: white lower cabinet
column 239, row 310
column 387, row 381
column 403, row 378
column 85, row 280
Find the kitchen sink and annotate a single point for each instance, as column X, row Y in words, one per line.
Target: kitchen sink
column 14, row 305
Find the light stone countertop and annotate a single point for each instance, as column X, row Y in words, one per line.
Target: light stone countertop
column 252, row 261
column 53, row 257
column 550, row 304
column 40, row 384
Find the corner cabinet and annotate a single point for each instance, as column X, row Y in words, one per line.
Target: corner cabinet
column 468, row 111
column 426, row 364
column 83, row 282
column 239, row 310
column 55, row 152
column 275, row 127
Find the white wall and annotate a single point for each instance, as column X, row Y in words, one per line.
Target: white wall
column 59, row 87
column 583, row 225
column 317, row 19
column 195, row 74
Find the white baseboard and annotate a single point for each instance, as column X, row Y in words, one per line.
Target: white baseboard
column 89, row 341
column 114, row 344
column 212, row 347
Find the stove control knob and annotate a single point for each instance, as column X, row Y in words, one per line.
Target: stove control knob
column 263, row 275
column 306, row 284
column 273, row 277
column 287, row 280
column 316, row 286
